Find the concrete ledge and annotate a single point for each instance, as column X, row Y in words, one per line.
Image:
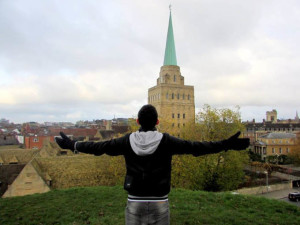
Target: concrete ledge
column 265, row 189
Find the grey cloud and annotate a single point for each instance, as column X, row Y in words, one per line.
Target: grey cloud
column 100, row 57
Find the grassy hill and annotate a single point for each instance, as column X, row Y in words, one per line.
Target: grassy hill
column 105, row 205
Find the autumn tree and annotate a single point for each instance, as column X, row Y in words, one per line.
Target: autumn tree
column 216, row 172
column 295, row 153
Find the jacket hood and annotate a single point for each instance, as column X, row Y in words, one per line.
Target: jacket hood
column 145, row 143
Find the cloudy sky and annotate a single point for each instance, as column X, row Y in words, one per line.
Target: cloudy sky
column 70, row 60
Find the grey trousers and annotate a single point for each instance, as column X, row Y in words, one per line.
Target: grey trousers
column 144, row 213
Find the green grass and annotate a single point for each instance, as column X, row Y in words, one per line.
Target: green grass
column 105, row 205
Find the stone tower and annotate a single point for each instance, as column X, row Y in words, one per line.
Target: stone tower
column 173, row 100
column 271, row 116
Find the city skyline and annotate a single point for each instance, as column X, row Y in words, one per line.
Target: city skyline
column 73, row 60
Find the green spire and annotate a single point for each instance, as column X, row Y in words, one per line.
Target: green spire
column 170, row 53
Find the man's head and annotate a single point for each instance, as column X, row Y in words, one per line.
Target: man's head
column 147, row 117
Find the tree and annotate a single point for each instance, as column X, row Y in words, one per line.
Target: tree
column 216, row 172
column 295, row 153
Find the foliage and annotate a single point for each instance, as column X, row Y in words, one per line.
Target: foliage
column 83, row 170
column 294, row 156
column 269, row 167
column 105, row 205
column 254, row 157
column 281, row 159
column 216, row 172
column 133, row 126
column 218, row 124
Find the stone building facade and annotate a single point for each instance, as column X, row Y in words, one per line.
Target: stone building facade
column 173, row 99
column 275, row 144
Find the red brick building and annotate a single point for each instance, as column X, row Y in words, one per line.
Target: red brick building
column 37, row 142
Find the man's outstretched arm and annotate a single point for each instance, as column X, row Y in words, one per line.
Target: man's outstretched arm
column 202, row 148
column 111, row 147
column 236, row 143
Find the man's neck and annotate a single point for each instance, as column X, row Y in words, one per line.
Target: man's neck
column 147, row 129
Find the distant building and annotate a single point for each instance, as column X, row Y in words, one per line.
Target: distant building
column 275, row 144
column 173, row 99
column 37, row 142
column 271, row 116
column 272, row 136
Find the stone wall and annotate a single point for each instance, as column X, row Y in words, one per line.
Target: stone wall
column 8, row 174
column 28, row 182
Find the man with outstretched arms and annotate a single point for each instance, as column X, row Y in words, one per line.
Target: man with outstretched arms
column 148, row 155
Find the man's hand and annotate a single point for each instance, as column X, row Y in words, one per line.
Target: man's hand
column 236, row 143
column 65, row 142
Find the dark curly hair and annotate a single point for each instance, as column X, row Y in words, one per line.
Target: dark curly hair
column 147, row 117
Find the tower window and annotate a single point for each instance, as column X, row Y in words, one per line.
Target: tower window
column 188, row 97
column 178, row 115
column 183, row 115
column 183, row 96
column 178, row 96
column 174, row 78
column 173, row 115
column 172, row 95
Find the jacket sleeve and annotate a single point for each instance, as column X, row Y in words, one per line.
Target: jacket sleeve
column 196, row 148
column 112, row 147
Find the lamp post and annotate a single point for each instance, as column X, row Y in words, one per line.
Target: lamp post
column 267, row 181
column 277, row 158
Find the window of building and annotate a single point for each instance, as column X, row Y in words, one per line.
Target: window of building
column 174, row 78
column 287, row 150
column 188, row 97
column 183, row 115
column 179, row 125
column 35, row 140
column 280, row 150
column 273, row 141
column 183, row 96
column 287, row 141
column 172, row 124
column 173, row 115
column 178, row 115
column 178, row 96
column 167, row 96
column 264, row 151
column 273, row 150
column 172, row 95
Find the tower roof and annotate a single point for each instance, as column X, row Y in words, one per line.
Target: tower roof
column 170, row 53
